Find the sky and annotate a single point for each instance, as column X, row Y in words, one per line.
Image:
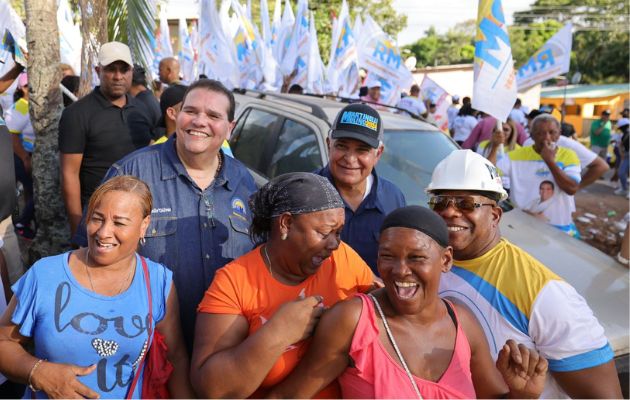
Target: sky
column 421, row 14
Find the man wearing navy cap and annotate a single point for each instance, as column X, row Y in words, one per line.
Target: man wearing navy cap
column 355, row 146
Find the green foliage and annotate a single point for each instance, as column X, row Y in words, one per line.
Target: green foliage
column 132, row 22
column 454, row 47
column 18, row 6
column 525, row 42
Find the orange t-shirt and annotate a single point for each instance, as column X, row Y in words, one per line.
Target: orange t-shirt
column 245, row 287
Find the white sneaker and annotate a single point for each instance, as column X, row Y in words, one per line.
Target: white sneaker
column 620, row 192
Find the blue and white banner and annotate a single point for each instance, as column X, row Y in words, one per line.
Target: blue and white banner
column 494, row 87
column 295, row 58
column 69, row 37
column 315, row 78
column 551, row 60
column 284, row 33
column 343, row 70
column 249, row 48
column 163, row 46
column 217, row 58
column 186, row 53
column 379, row 54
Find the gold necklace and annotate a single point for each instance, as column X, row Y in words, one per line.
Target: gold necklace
column 268, row 260
column 87, row 272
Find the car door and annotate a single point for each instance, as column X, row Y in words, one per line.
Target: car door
column 271, row 143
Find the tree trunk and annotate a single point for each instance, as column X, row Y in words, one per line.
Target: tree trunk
column 93, row 34
column 45, row 109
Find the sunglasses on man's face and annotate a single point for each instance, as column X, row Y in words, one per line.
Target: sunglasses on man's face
column 462, row 203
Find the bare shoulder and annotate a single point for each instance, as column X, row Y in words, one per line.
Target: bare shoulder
column 469, row 322
column 343, row 316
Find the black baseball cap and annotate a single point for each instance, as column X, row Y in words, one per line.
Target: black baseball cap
column 360, row 122
column 171, row 96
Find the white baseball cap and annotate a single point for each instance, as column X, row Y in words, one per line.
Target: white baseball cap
column 114, row 51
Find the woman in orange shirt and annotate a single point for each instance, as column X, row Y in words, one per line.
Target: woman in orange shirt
column 255, row 320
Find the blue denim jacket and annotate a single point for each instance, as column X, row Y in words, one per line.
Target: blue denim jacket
column 362, row 227
column 192, row 232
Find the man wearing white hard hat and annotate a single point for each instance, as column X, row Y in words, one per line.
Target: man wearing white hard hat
column 99, row 129
column 512, row 294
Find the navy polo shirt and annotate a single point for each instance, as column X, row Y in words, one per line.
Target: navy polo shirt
column 193, row 232
column 362, row 227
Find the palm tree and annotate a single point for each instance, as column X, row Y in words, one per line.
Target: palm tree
column 45, row 110
column 132, row 22
column 127, row 21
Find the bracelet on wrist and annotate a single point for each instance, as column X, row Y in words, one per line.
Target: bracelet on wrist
column 30, row 375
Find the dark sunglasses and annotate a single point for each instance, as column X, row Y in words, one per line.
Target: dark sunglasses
column 462, row 203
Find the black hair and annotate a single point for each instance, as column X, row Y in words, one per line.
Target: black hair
column 466, row 110
column 553, row 187
column 296, row 89
column 213, row 86
column 71, row 82
column 139, row 76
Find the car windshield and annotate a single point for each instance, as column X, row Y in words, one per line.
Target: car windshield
column 409, row 159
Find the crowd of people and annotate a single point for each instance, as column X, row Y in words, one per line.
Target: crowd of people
column 316, row 284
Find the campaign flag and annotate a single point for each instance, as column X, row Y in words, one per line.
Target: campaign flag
column 285, row 32
column 552, row 59
column 69, row 37
column 494, row 86
column 379, row 54
column 343, row 69
column 186, row 53
column 272, row 78
column 194, row 41
column 390, row 92
column 437, row 95
column 275, row 24
column 248, row 50
column 163, row 46
column 356, row 27
column 12, row 37
column 315, row 79
column 295, row 58
column 264, row 22
column 217, row 58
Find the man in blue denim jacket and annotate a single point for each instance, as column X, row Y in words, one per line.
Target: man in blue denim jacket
column 200, row 218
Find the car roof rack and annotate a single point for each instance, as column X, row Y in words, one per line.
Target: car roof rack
column 351, row 100
column 316, row 110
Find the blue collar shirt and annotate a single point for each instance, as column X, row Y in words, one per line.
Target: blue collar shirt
column 193, row 232
column 362, row 227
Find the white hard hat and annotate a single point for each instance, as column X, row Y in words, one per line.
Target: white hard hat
column 466, row 170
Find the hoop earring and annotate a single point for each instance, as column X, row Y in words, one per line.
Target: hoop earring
column 284, row 236
column 142, row 241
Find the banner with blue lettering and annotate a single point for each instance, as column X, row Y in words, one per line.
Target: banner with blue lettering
column 379, row 54
column 494, row 87
column 552, row 59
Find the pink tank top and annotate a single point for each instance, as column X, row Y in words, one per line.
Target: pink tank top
column 376, row 375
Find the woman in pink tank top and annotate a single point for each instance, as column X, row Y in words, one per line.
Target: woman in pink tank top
column 403, row 341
